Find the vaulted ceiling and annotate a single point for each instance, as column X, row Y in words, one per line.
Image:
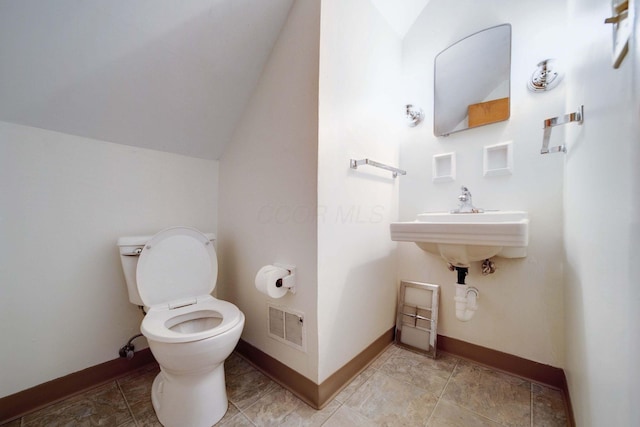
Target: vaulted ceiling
column 400, row 14
column 169, row 75
column 164, row 74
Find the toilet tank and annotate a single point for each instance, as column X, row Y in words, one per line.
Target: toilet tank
column 130, row 248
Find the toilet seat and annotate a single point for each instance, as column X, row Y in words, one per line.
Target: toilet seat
column 177, row 270
column 158, row 321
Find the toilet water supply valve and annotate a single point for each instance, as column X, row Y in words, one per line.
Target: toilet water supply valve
column 466, row 296
column 128, row 349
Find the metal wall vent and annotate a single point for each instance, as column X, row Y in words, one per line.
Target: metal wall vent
column 286, row 326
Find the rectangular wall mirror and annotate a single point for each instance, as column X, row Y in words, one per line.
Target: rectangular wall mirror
column 472, row 81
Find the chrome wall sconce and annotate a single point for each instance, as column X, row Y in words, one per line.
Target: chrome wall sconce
column 545, row 77
column 414, row 115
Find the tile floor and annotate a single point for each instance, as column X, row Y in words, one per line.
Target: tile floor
column 400, row 388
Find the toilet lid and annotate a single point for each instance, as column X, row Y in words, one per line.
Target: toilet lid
column 176, row 264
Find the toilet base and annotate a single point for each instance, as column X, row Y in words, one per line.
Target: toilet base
column 190, row 400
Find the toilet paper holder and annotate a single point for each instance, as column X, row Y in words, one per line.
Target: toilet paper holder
column 289, row 281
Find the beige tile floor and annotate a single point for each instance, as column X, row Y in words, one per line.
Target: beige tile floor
column 400, row 388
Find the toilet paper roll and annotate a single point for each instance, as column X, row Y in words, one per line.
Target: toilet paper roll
column 266, row 280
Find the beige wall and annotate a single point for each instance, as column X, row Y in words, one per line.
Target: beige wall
column 65, row 200
column 521, row 309
column 359, row 117
column 332, row 91
column 268, row 196
column 602, row 225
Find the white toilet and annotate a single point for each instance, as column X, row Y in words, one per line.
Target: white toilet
column 190, row 333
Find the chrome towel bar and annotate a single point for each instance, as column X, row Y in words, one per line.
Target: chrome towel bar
column 353, row 164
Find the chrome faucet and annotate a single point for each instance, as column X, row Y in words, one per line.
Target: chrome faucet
column 466, row 202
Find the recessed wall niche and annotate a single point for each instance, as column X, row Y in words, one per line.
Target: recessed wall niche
column 498, row 159
column 444, row 167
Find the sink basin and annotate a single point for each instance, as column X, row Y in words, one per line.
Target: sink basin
column 462, row 238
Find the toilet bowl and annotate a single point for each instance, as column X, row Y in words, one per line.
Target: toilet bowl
column 189, row 332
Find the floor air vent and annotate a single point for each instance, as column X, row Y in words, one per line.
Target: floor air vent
column 286, row 326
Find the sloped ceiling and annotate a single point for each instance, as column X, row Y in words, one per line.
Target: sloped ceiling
column 400, row 14
column 163, row 74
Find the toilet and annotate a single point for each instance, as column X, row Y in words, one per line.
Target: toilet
column 190, row 333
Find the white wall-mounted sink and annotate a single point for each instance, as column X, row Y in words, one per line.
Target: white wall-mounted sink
column 462, row 238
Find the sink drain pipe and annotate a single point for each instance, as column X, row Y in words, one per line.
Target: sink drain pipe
column 466, row 296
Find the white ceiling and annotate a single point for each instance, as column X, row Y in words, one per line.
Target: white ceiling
column 163, row 74
column 400, row 14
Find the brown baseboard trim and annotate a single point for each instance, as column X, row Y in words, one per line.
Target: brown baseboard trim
column 343, row 376
column 316, row 396
column 530, row 370
column 567, row 402
column 31, row 399
column 525, row 368
column 293, row 381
